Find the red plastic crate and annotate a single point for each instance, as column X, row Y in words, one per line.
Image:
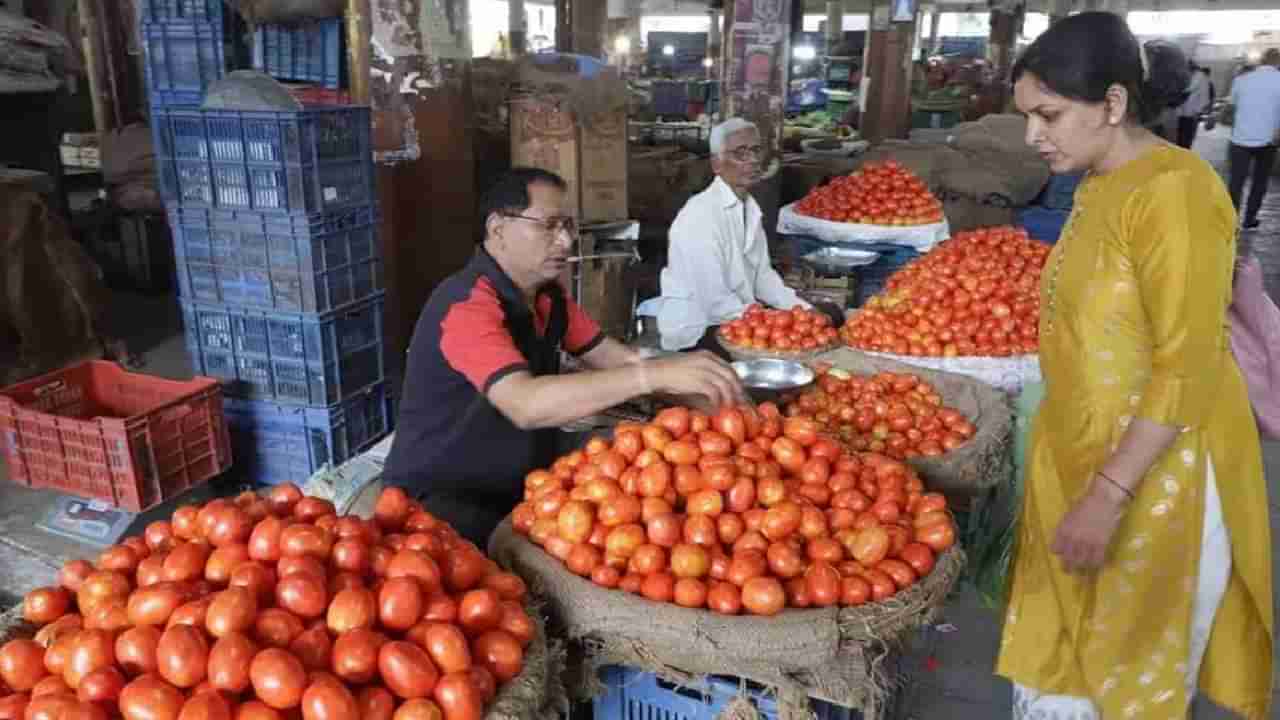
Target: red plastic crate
column 98, row 431
column 317, row 95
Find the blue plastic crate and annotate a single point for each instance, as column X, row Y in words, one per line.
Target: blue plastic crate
column 309, row 53
column 167, row 11
column 316, row 160
column 182, row 60
column 274, row 443
column 299, row 358
column 635, row 695
column 1043, row 224
column 288, row 263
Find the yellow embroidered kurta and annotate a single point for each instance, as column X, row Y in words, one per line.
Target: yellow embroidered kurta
column 1133, row 324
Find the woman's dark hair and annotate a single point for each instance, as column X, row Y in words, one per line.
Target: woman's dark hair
column 1080, row 57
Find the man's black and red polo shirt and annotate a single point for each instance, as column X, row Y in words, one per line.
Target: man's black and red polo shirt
column 452, row 447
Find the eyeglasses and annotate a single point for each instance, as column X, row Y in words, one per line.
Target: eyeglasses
column 552, row 225
column 747, row 152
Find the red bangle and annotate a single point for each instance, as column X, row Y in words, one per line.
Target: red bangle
column 1122, row 488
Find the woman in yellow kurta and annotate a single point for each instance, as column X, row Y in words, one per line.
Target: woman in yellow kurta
column 1143, row 556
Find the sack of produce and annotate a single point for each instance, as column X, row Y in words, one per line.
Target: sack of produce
column 195, row 604
column 999, row 163
column 979, row 305
column 683, row 547
column 763, row 333
column 878, row 203
column 961, row 444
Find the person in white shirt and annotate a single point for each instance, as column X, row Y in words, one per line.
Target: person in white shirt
column 1256, row 98
column 718, row 254
column 1193, row 107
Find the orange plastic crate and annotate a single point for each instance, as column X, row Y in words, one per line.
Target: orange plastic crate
column 127, row 439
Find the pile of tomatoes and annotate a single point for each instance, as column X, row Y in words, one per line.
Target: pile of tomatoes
column 743, row 511
column 792, row 330
column 896, row 414
column 261, row 608
column 878, row 194
column 976, row 294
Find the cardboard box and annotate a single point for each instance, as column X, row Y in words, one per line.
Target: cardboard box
column 80, row 139
column 90, row 157
column 569, row 128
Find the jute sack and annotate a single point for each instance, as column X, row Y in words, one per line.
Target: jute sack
column 986, row 461
column 535, row 694
column 839, row 655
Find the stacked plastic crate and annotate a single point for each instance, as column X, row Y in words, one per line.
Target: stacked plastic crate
column 275, row 240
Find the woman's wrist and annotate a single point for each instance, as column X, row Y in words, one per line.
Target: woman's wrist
column 1106, row 487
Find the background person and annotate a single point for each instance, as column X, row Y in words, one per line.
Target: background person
column 1256, row 98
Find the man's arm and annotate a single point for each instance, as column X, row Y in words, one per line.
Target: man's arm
column 552, row 400
column 769, row 287
column 610, row 354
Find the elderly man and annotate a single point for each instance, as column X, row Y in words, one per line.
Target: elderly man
column 718, row 255
column 1254, row 133
column 483, row 395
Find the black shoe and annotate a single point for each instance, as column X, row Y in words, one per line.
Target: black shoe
column 1251, row 224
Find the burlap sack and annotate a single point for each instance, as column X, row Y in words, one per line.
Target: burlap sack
column 839, row 655
column 661, row 181
column 986, row 461
column 535, row 694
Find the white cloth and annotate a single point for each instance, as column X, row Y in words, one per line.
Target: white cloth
column 717, row 265
column 1197, row 101
column 1256, row 97
column 1211, row 586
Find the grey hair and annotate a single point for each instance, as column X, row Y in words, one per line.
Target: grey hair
column 721, row 132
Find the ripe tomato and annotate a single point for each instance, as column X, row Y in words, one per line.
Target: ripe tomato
column 278, row 678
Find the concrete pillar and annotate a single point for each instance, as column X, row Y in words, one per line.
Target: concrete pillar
column 1006, row 25
column 1057, row 10
column 714, row 40
column 887, row 104
column 835, row 24
column 516, row 26
column 935, row 19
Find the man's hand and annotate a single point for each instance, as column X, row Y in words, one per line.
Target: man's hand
column 699, row 374
column 1083, row 537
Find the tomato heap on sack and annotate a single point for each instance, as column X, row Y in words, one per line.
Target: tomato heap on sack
column 269, row 608
column 976, row 294
column 792, row 330
column 746, row 510
column 878, row 194
column 899, row 415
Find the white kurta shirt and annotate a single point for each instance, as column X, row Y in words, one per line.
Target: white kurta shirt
column 717, row 265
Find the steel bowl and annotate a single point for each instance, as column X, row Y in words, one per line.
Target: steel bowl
column 768, row 379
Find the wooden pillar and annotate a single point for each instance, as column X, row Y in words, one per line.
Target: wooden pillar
column 516, row 27
column 887, row 108
column 588, row 22
column 413, row 65
column 1006, row 25
column 564, row 25
column 756, row 59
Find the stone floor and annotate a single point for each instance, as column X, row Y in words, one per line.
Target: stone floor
column 951, row 664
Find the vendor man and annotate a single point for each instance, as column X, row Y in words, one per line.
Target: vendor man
column 483, row 396
column 718, row 254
